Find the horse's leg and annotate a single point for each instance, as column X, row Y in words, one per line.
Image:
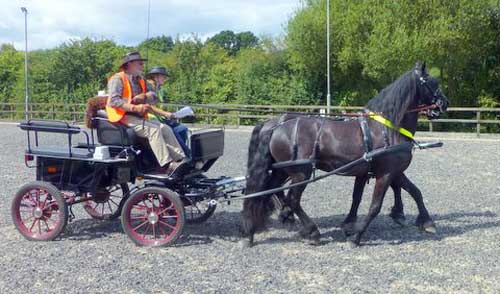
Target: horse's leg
column 397, row 213
column 286, row 215
column 249, row 222
column 381, row 186
column 348, row 225
column 309, row 228
column 424, row 221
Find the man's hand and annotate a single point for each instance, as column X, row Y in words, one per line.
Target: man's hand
column 142, row 108
column 139, row 99
column 161, row 112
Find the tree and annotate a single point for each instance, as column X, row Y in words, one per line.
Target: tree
column 81, row 67
column 11, row 64
column 162, row 44
column 234, row 42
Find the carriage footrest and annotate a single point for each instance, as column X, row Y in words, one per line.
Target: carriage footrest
column 294, row 163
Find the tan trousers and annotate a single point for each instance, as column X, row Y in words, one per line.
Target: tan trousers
column 160, row 136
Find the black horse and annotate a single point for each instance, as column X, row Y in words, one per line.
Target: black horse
column 332, row 143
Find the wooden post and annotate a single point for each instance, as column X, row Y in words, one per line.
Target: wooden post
column 478, row 124
column 431, row 126
column 238, row 122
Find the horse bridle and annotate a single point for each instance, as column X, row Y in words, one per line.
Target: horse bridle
column 436, row 101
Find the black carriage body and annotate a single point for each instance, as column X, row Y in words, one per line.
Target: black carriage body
column 83, row 176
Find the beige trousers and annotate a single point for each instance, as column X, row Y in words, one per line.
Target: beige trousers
column 161, row 138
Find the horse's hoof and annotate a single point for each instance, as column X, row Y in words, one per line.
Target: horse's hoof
column 429, row 227
column 400, row 220
column 353, row 244
column 314, row 238
column 314, row 242
column 354, row 241
column 290, row 220
column 348, row 229
column 245, row 244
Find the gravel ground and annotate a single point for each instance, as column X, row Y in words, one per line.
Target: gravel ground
column 461, row 187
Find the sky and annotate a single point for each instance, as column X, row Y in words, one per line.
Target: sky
column 52, row 22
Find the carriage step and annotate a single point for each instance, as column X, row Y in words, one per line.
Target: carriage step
column 294, row 163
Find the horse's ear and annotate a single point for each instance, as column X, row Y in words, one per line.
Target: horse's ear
column 420, row 68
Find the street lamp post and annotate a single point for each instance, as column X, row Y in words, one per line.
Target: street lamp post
column 25, row 11
column 328, row 95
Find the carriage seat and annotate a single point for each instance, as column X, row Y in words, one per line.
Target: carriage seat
column 116, row 134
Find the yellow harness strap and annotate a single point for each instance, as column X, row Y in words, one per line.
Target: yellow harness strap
column 389, row 124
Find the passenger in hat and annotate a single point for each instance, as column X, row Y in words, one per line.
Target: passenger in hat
column 157, row 77
column 129, row 102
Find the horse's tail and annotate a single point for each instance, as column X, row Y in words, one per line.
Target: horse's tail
column 257, row 210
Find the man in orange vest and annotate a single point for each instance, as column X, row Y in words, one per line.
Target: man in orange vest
column 129, row 103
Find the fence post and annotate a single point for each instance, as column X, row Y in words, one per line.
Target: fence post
column 431, row 126
column 238, row 121
column 478, row 124
column 53, row 111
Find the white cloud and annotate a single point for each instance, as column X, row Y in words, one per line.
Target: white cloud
column 52, row 22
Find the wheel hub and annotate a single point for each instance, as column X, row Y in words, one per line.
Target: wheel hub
column 38, row 213
column 153, row 218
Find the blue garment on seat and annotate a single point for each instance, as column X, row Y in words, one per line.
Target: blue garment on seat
column 181, row 133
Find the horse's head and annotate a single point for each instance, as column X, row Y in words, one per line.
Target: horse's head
column 429, row 92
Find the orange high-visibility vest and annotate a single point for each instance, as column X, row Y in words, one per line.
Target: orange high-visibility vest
column 116, row 114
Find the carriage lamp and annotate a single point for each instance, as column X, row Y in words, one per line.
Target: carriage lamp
column 28, row 157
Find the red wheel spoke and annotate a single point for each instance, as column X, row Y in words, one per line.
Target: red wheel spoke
column 39, row 227
column 50, row 205
column 102, row 209
column 169, row 216
column 48, row 228
column 151, row 200
column 140, row 207
column 139, row 226
column 162, row 231
column 37, row 197
column 32, row 225
column 50, row 219
column 168, row 208
column 45, row 201
column 146, row 231
column 167, row 225
column 154, row 232
column 26, row 219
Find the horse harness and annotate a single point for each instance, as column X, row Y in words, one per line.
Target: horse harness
column 365, row 131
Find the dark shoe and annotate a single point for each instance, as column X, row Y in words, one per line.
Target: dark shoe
column 176, row 169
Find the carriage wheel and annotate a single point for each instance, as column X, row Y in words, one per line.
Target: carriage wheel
column 153, row 217
column 39, row 211
column 198, row 211
column 108, row 205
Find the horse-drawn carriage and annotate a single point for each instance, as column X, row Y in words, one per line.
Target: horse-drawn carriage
column 117, row 175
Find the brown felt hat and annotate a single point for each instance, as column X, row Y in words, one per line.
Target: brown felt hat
column 131, row 56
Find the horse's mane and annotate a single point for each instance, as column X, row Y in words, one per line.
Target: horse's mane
column 394, row 100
